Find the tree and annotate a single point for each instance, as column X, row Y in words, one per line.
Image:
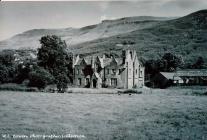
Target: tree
column 170, row 62
column 151, row 66
column 7, row 66
column 4, row 74
column 53, row 57
column 7, row 57
column 199, row 64
column 40, row 78
column 22, row 72
column 61, row 81
column 52, row 54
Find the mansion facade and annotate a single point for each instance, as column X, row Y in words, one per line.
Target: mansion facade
column 96, row 72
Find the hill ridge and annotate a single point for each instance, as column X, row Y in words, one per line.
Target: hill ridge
column 185, row 36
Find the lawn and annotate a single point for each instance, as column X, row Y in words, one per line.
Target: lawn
column 159, row 114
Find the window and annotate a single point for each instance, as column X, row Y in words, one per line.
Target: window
column 140, row 73
column 108, row 82
column 77, row 72
column 79, row 81
column 120, row 71
column 136, row 71
column 113, row 82
column 107, row 71
column 87, row 81
column 113, row 71
column 131, row 54
column 82, row 71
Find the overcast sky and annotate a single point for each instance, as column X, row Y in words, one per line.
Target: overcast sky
column 17, row 17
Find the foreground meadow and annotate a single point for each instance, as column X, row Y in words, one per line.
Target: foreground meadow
column 159, row 114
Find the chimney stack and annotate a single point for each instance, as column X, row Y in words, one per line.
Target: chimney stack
column 104, row 56
column 92, row 61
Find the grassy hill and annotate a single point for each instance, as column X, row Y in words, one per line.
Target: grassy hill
column 186, row 36
column 150, row 36
column 72, row 36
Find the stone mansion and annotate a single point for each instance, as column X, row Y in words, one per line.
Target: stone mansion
column 96, row 72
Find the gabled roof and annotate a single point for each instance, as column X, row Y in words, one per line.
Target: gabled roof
column 170, row 75
column 109, row 61
column 119, row 61
column 96, row 75
column 106, row 61
column 79, row 61
column 86, row 60
column 98, row 58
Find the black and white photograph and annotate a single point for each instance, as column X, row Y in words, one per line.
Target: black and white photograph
column 103, row 70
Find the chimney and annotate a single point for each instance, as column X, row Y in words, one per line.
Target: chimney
column 104, row 56
column 75, row 59
column 92, row 62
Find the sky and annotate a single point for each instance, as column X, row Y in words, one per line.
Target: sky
column 17, row 17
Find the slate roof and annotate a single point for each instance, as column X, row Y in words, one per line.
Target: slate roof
column 192, row 72
column 119, row 61
column 104, row 62
column 86, row 59
column 170, row 75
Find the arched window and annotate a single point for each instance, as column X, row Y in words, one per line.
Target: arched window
column 131, row 54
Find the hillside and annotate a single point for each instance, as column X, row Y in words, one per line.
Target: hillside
column 186, row 36
column 150, row 36
column 107, row 28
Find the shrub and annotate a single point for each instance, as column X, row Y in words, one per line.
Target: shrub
column 40, row 78
column 16, row 87
column 199, row 93
column 127, row 91
column 3, row 74
column 62, row 80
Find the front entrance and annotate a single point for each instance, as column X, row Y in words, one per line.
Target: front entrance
column 87, row 84
column 113, row 82
column 94, row 83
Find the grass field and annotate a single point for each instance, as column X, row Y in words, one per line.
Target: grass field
column 159, row 114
